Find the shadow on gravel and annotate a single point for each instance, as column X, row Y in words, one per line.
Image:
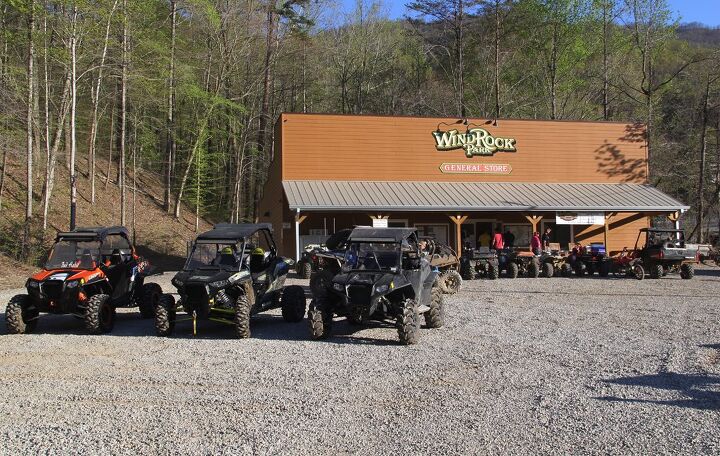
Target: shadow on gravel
column 573, row 293
column 714, row 272
column 701, row 392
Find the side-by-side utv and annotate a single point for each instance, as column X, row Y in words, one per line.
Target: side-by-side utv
column 232, row 272
column 89, row 273
column 384, row 277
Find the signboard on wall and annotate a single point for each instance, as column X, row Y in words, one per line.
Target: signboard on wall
column 476, row 168
column 380, row 222
column 475, row 141
column 580, row 218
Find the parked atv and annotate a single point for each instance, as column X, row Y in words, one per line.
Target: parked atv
column 308, row 262
column 444, row 260
column 89, row 273
column 481, row 262
column 517, row 264
column 589, row 259
column 329, row 262
column 553, row 262
column 384, row 277
column 232, row 272
column 661, row 251
column 627, row 264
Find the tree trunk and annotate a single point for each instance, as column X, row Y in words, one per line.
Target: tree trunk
column 73, row 117
column 461, row 57
column 553, row 73
column 95, row 100
column 170, row 143
column 200, row 138
column 267, row 79
column 701, row 176
column 52, row 156
column 606, row 81
column 497, row 59
column 111, row 145
column 29, row 126
column 123, row 111
column 4, row 167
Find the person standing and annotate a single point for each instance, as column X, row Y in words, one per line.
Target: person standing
column 536, row 244
column 497, row 242
column 484, row 239
column 509, row 239
column 546, row 238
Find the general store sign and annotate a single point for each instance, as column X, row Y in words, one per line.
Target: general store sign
column 475, row 168
column 580, row 218
column 476, row 141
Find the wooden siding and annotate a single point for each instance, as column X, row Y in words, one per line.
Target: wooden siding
column 318, row 146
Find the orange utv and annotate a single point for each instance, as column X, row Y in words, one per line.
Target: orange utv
column 89, row 273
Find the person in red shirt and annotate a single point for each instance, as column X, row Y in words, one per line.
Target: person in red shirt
column 497, row 242
column 535, row 244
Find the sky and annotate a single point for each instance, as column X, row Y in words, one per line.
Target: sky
column 704, row 11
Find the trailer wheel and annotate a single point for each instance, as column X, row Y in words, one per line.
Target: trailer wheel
column 165, row 315
column 19, row 316
column 548, row 270
column 638, row 272
column 450, row 282
column 293, row 303
column 687, row 271
column 512, row 270
column 656, row 271
column 407, row 322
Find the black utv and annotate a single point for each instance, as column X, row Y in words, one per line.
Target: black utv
column 232, row 272
column 383, row 277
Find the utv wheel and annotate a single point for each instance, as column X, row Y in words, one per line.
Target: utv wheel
column 450, row 282
column 548, row 270
column 435, row 317
column 580, row 268
column 534, row 269
column 604, row 269
column 293, row 303
column 638, row 272
column 566, row 270
column 320, row 281
column 656, row 271
column 687, row 271
column 407, row 322
column 466, row 271
column 242, row 317
column 151, row 293
column 320, row 319
column 99, row 314
column 20, row 317
column 165, row 315
column 303, row 269
column 512, row 270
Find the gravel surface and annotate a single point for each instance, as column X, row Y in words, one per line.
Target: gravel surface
column 522, row 366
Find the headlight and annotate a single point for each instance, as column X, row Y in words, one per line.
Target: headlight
column 220, row 284
column 338, row 287
column 381, row 288
column 72, row 284
column 33, row 284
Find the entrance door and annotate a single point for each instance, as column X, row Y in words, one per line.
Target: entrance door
column 483, row 234
column 561, row 234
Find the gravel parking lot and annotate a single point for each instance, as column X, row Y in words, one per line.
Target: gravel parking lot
column 522, row 366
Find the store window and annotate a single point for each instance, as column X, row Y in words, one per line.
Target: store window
column 397, row 223
column 437, row 232
column 522, row 232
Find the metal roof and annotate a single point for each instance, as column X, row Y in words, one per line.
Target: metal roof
column 234, row 230
column 475, row 196
column 93, row 232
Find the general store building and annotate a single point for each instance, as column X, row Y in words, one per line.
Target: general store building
column 459, row 180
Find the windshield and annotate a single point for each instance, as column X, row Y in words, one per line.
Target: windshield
column 665, row 237
column 74, row 254
column 221, row 255
column 372, row 256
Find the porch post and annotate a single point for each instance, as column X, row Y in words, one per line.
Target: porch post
column 534, row 220
column 298, row 220
column 608, row 217
column 458, row 220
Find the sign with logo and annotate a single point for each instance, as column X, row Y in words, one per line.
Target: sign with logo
column 476, row 141
column 580, row 218
column 380, row 223
column 476, row 168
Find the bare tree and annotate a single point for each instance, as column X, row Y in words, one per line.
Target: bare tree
column 29, row 124
column 170, row 143
column 73, row 115
column 123, row 110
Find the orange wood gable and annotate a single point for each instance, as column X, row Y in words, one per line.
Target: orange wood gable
column 340, row 147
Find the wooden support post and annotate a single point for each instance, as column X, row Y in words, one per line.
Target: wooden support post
column 298, row 220
column 458, row 220
column 534, row 220
column 608, row 217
